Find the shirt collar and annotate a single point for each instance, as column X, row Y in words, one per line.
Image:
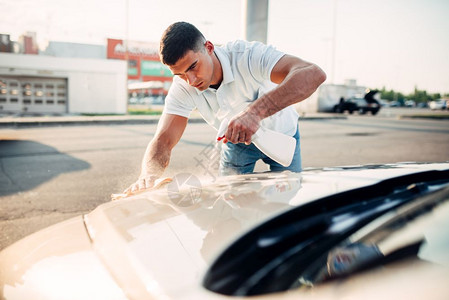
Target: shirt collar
column 228, row 76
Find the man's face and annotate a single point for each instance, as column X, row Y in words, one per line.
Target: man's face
column 196, row 68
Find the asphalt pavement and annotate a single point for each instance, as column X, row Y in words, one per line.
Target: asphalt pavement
column 51, row 172
column 27, row 120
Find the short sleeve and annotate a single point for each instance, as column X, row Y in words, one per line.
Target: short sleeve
column 262, row 59
column 178, row 101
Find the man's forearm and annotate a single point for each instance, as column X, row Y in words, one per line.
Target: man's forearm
column 298, row 85
column 155, row 160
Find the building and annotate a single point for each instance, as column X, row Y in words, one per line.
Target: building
column 74, row 50
column 59, row 85
column 65, row 78
column 28, row 43
column 72, row 78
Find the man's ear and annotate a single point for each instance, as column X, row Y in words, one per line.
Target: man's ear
column 209, row 47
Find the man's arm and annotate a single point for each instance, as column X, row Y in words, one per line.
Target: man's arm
column 157, row 155
column 296, row 79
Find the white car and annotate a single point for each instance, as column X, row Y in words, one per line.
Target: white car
column 361, row 232
column 437, row 104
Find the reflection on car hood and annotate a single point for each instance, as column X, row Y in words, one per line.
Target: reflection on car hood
column 155, row 245
column 151, row 231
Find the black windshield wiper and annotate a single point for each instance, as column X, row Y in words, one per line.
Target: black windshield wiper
column 272, row 256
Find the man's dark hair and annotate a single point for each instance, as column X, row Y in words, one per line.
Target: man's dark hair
column 177, row 39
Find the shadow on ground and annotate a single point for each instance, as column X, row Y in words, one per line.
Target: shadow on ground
column 26, row 164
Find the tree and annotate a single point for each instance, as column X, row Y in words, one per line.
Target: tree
column 418, row 95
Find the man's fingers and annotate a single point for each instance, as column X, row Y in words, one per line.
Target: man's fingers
column 235, row 138
column 140, row 185
column 144, row 183
column 242, row 137
column 149, row 184
column 241, row 128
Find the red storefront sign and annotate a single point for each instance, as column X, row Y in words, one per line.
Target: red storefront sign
column 138, row 53
column 147, row 51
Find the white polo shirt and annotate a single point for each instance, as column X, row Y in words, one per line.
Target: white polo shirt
column 246, row 68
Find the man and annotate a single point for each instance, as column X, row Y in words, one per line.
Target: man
column 252, row 84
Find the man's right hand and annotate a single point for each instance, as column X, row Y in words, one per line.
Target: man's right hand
column 142, row 184
column 157, row 155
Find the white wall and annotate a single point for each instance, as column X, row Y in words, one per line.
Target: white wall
column 327, row 96
column 94, row 85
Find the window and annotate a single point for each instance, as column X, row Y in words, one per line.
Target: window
column 3, row 88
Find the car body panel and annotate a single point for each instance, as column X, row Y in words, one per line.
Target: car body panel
column 56, row 263
column 149, row 247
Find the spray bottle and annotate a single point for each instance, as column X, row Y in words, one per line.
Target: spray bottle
column 277, row 146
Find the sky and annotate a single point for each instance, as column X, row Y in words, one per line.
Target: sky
column 396, row 44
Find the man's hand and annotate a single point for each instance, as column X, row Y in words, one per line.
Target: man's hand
column 157, row 154
column 142, row 184
column 242, row 127
column 145, row 183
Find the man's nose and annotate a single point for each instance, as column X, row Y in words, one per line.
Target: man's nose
column 190, row 78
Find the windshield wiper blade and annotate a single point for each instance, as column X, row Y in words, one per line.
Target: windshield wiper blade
column 272, row 256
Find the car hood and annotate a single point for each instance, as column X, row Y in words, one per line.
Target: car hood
column 56, row 263
column 160, row 243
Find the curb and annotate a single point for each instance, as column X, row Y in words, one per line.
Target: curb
column 54, row 123
column 424, row 117
column 27, row 122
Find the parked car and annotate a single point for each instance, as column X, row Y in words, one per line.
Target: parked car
column 360, row 232
column 384, row 103
column 361, row 105
column 422, row 105
column 438, row 104
column 409, row 103
column 395, row 104
column 346, row 105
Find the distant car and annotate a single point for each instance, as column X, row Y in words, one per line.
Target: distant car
column 363, row 106
column 384, row 103
column 133, row 100
column 358, row 104
column 410, row 103
column 346, row 105
column 422, row 105
column 395, row 104
column 437, row 104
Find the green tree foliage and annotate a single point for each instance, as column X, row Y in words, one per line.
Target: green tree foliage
column 418, row 95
